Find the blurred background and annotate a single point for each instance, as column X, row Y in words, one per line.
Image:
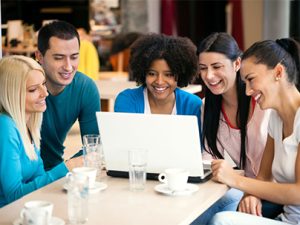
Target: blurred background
column 112, row 25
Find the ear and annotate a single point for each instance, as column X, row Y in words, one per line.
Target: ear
column 39, row 57
column 279, row 70
column 237, row 64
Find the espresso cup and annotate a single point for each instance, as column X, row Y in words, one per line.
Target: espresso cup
column 175, row 178
column 90, row 172
column 36, row 213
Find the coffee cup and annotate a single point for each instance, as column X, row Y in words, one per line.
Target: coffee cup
column 36, row 213
column 175, row 178
column 90, row 172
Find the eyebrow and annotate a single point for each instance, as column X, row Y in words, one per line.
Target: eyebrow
column 35, row 85
column 165, row 71
column 57, row 54
column 213, row 64
column 246, row 77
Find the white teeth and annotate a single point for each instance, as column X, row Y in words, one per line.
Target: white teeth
column 160, row 88
column 214, row 83
column 66, row 75
column 257, row 97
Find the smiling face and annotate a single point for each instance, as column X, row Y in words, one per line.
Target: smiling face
column 36, row 93
column 260, row 82
column 160, row 81
column 218, row 72
column 60, row 63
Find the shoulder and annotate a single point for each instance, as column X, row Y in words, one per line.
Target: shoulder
column 83, row 85
column 130, row 100
column 6, row 121
column 82, row 79
column 8, row 126
column 132, row 92
column 188, row 97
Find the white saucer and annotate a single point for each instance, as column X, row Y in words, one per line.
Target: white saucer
column 54, row 221
column 99, row 186
column 163, row 188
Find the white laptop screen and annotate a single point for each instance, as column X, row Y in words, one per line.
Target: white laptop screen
column 171, row 141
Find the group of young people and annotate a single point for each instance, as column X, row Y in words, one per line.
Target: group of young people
column 250, row 112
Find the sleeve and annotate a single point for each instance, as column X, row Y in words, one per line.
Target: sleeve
column 13, row 165
column 272, row 123
column 90, row 104
column 125, row 102
column 297, row 126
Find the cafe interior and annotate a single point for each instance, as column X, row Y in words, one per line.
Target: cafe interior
column 111, row 26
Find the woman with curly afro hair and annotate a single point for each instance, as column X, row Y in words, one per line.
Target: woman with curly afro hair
column 161, row 65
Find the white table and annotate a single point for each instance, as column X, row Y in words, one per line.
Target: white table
column 109, row 89
column 118, row 205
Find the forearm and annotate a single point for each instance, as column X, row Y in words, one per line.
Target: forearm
column 275, row 192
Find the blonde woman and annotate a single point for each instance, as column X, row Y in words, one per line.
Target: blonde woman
column 22, row 103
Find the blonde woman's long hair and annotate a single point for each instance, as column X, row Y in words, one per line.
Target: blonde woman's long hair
column 14, row 72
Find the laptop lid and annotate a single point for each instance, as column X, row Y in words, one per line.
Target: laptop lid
column 171, row 141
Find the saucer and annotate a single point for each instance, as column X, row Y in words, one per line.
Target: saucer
column 54, row 221
column 163, row 189
column 98, row 186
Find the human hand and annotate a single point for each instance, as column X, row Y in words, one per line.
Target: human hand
column 222, row 172
column 74, row 162
column 250, row 204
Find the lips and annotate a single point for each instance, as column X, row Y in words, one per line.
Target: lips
column 66, row 75
column 42, row 102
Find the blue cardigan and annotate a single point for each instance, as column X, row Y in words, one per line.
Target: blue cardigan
column 132, row 101
column 18, row 174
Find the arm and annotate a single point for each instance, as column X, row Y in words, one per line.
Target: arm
column 18, row 174
column 282, row 193
column 249, row 203
column 265, row 170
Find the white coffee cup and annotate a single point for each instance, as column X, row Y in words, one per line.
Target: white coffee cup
column 175, row 178
column 36, row 213
column 87, row 171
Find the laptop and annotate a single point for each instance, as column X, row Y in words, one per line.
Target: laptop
column 171, row 141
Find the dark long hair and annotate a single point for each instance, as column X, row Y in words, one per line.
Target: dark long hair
column 225, row 44
column 284, row 51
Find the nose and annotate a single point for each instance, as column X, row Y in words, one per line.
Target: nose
column 44, row 92
column 249, row 90
column 67, row 64
column 209, row 74
column 159, row 79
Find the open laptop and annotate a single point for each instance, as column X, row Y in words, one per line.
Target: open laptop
column 171, row 141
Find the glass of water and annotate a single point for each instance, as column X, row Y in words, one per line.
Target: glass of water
column 78, row 196
column 137, row 159
column 93, row 152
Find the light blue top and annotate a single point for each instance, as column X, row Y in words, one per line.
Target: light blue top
column 18, row 174
column 79, row 100
column 132, row 101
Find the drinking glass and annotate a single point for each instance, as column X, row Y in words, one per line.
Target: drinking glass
column 78, row 195
column 93, row 152
column 137, row 159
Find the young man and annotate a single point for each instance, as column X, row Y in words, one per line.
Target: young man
column 72, row 95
